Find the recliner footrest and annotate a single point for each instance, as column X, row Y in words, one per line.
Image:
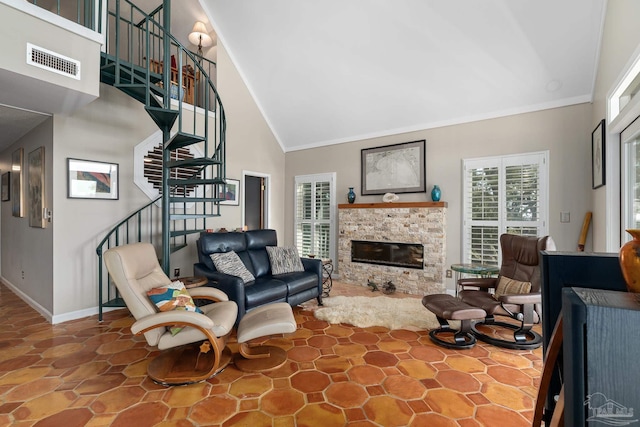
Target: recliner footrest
column 447, row 307
column 270, row 319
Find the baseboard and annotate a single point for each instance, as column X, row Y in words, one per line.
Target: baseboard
column 58, row 318
column 30, row 301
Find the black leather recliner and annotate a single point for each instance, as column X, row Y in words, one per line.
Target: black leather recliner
column 293, row 288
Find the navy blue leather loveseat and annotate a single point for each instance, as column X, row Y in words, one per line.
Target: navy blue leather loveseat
column 293, row 288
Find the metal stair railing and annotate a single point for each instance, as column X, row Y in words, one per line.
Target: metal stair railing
column 147, row 62
column 135, row 228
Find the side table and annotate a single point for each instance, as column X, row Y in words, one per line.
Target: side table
column 482, row 270
column 327, row 281
column 193, row 281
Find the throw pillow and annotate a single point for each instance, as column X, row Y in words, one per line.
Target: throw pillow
column 173, row 297
column 284, row 259
column 230, row 263
column 508, row 286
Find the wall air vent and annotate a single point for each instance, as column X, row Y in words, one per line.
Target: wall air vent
column 52, row 61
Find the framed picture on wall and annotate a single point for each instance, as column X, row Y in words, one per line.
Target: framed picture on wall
column 397, row 168
column 6, row 190
column 598, row 156
column 6, row 182
column 36, row 188
column 89, row 179
column 230, row 192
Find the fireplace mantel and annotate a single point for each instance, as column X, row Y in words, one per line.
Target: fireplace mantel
column 396, row 205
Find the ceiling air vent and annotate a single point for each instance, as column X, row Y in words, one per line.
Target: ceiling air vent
column 53, row 61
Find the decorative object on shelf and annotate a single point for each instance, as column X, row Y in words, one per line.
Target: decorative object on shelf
column 390, row 197
column 598, row 156
column 397, row 168
column 436, row 193
column 173, row 93
column 630, row 261
column 351, row 195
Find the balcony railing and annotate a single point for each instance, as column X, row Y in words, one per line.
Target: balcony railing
column 81, row 12
column 88, row 12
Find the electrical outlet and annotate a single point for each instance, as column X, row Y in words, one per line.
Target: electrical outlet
column 176, row 272
column 449, row 274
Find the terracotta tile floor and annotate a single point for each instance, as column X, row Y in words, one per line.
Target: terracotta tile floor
column 85, row 373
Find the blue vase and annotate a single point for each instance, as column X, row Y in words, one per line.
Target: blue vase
column 351, row 196
column 435, row 193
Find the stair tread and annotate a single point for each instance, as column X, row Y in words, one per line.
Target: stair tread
column 198, row 161
column 195, row 199
column 162, row 117
column 186, row 232
column 182, row 139
column 108, row 62
column 175, row 217
column 204, row 181
column 139, row 93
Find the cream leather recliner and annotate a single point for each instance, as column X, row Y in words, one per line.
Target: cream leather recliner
column 187, row 358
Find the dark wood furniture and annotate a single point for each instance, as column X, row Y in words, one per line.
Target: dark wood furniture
column 564, row 270
column 601, row 347
column 189, row 78
column 193, row 281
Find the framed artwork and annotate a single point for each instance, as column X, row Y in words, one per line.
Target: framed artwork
column 230, row 192
column 598, row 156
column 89, row 179
column 6, row 182
column 36, row 188
column 17, row 167
column 398, row 168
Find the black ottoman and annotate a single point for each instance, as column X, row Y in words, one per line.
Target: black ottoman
column 447, row 307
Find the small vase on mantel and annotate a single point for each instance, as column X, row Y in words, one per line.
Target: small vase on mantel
column 630, row 261
column 351, row 195
column 436, row 193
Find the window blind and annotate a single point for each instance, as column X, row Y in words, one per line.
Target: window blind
column 505, row 194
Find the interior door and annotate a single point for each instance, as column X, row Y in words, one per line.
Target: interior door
column 254, row 202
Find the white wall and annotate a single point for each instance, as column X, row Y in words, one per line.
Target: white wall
column 563, row 131
column 620, row 39
column 105, row 130
column 26, row 251
column 251, row 146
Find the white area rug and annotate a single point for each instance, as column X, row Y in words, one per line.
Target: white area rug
column 392, row 313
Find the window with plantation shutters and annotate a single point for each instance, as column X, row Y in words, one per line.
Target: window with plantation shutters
column 506, row 194
column 315, row 215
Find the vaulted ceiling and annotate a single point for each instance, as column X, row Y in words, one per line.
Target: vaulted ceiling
column 333, row 71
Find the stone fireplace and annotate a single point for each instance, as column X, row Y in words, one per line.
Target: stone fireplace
column 411, row 233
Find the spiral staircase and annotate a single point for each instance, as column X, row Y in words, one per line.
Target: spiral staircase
column 143, row 60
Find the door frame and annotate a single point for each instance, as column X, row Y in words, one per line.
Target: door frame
column 267, row 195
